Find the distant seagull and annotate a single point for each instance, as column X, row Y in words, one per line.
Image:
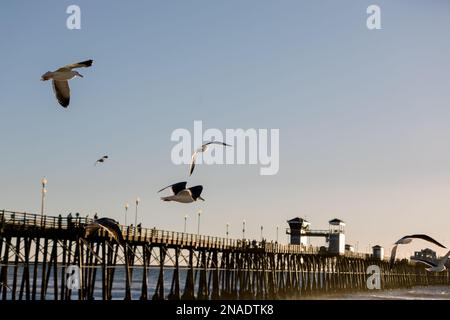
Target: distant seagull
column 60, row 79
column 434, row 267
column 110, row 225
column 408, row 239
column 101, row 160
column 183, row 194
column 203, row 148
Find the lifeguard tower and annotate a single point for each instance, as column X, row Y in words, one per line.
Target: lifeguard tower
column 378, row 252
column 336, row 236
column 298, row 228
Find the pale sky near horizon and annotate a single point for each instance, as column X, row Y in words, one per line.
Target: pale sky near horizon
column 363, row 115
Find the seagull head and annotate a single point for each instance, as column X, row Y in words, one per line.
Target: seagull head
column 46, row 76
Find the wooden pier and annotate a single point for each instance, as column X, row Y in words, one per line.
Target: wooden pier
column 37, row 251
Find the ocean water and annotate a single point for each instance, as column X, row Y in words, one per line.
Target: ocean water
column 414, row 293
column 118, row 289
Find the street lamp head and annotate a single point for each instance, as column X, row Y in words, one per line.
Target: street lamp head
column 138, row 200
column 44, row 181
column 127, row 206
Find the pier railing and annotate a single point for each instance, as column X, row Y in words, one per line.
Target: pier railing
column 135, row 234
column 42, row 221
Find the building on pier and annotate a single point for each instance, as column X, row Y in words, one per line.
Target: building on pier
column 336, row 236
column 378, row 252
column 425, row 254
column 300, row 232
column 349, row 248
column 298, row 228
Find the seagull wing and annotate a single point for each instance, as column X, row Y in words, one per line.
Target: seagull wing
column 404, row 240
column 109, row 225
column 113, row 228
column 424, row 261
column 176, row 187
column 392, row 260
column 90, row 229
column 196, row 191
column 62, row 92
column 444, row 259
column 217, row 142
column 81, row 64
column 426, row 238
column 192, row 166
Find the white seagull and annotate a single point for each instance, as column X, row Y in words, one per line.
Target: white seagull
column 60, row 79
column 203, row 148
column 183, row 194
column 434, row 267
column 110, row 225
column 408, row 239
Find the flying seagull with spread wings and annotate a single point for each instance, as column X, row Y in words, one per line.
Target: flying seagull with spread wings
column 203, row 148
column 438, row 266
column 101, row 160
column 60, row 79
column 109, row 225
column 183, row 194
column 408, row 239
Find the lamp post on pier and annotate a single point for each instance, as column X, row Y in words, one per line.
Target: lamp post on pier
column 43, row 192
column 126, row 211
column 135, row 216
column 198, row 221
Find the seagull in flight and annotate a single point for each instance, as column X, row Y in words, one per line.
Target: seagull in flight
column 433, row 266
column 60, row 79
column 408, row 239
column 101, row 160
column 203, row 148
column 183, row 194
column 109, row 225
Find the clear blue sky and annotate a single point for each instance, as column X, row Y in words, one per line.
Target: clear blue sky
column 363, row 115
